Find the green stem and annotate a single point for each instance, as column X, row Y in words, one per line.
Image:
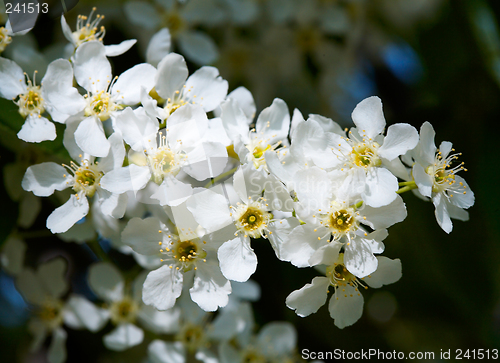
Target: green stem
column 407, row 183
column 222, row 176
column 407, row 188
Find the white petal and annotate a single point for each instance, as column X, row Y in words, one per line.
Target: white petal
column 90, row 137
column 158, row 47
column 173, row 192
column 207, row 88
column 62, row 99
column 92, row 68
column 210, row 289
column 301, row 244
column 327, row 254
column 198, row 47
column 249, row 182
column 64, row 217
column 237, row 259
column 160, row 322
column 162, row 287
column 207, row 160
column 12, row 81
column 441, row 212
column 166, row 352
column 106, row 281
column 188, row 123
column 142, row 14
column 12, row 257
column 37, row 129
column 423, row 180
column 210, row 210
column 143, row 236
column 116, row 154
column 234, row 120
column 313, row 188
column 52, row 275
column 30, row 287
column 277, row 196
column 426, row 149
column 385, row 216
column 123, row 337
column 388, row 272
column 369, row 117
column 128, row 178
column 128, row 85
column 274, row 121
column 136, row 126
column 381, row 187
column 68, row 34
column 400, row 138
column 309, row 298
column 112, row 204
column 43, row 179
column 119, row 49
column 277, row 339
column 171, row 76
column 465, row 196
column 346, row 307
column 359, row 258
column 245, row 101
column 84, row 314
column 57, row 348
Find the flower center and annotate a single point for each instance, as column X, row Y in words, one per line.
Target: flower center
column 87, row 29
column 443, row 174
column 257, row 147
column 101, row 105
column 86, row 177
column 164, row 161
column 5, row 39
column 192, row 337
column 123, row 311
column 340, row 220
column 365, row 155
column 31, row 102
column 340, row 277
column 253, row 356
column 252, row 219
column 51, row 313
column 174, row 22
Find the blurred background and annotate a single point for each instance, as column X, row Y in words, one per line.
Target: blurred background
column 428, row 60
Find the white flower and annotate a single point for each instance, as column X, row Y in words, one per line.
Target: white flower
column 276, row 342
column 163, row 286
column 250, row 217
column 84, row 178
column 87, row 29
column 30, row 101
column 181, row 21
column 105, row 96
column 337, row 215
column 44, row 289
column 271, row 130
column 366, row 151
column 346, row 303
column 436, row 178
column 204, row 87
column 181, row 147
column 124, row 308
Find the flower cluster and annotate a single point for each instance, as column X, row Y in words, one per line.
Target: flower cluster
column 184, row 176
